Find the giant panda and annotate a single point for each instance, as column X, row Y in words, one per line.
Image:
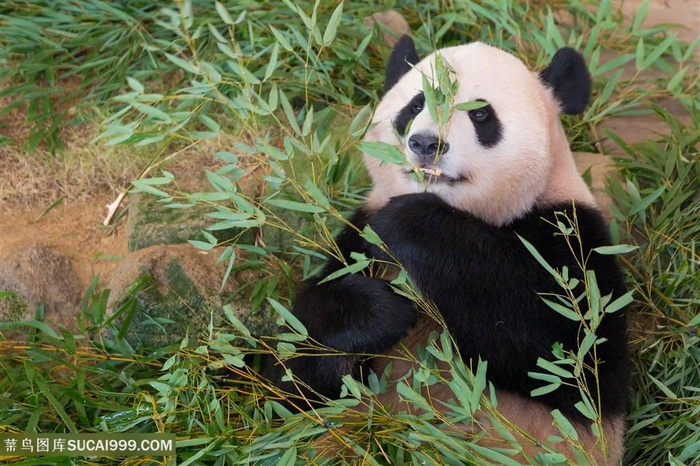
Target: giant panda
column 452, row 215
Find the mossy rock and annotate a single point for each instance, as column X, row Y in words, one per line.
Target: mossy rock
column 152, row 223
column 163, row 315
column 183, row 297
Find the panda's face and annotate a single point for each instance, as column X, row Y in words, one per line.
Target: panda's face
column 492, row 161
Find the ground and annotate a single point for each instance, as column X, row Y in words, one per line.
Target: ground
column 74, row 230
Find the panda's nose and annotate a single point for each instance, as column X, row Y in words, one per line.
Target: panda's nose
column 427, row 147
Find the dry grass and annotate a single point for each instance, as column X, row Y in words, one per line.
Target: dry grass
column 33, row 180
column 81, row 171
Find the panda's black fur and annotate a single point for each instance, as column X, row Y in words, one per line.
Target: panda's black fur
column 508, row 324
column 480, row 276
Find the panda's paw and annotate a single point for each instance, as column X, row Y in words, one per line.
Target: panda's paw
column 372, row 318
column 388, row 315
column 355, row 313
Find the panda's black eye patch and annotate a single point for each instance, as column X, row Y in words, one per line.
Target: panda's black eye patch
column 489, row 130
column 404, row 117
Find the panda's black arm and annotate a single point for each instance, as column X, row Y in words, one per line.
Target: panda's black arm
column 354, row 313
column 485, row 284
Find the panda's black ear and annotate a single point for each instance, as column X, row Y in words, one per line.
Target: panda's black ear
column 402, row 57
column 568, row 77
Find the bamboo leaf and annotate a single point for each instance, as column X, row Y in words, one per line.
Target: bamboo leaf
column 566, row 428
column 297, row 206
column 471, row 105
column 620, row 302
column 554, row 369
column 273, row 63
column 47, row 392
column 382, row 151
column 359, row 123
column 563, row 310
column 318, row 195
column 289, row 318
column 349, row 269
column 281, row 39
column 640, row 16
column 135, row 84
column 615, row 249
column 493, row 455
column 308, row 122
column 370, row 236
column 152, row 112
column 544, row 389
column 639, row 54
column 181, row 63
column 663, row 387
column 332, row 27
column 586, row 409
column 647, row 201
column 289, row 113
column 223, row 13
column 657, row 52
column 538, row 257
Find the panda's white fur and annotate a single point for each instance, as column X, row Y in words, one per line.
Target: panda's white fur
column 531, row 164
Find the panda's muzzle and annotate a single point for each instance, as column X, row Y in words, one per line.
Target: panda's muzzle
column 427, row 148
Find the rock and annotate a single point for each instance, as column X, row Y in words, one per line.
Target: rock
column 151, row 223
column 33, row 275
column 683, row 14
column 183, row 296
column 392, row 24
column 600, row 167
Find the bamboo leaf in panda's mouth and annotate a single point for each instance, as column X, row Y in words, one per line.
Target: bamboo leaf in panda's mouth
column 424, row 174
column 431, row 171
column 434, row 175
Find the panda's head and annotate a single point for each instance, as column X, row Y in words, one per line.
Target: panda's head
column 497, row 161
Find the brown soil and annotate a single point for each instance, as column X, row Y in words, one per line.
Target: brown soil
column 80, row 182
column 74, row 230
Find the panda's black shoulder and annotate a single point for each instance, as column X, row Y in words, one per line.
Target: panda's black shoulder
column 568, row 234
column 586, row 222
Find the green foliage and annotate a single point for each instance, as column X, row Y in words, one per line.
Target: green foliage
column 56, row 51
column 658, row 208
column 282, row 89
column 571, row 366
